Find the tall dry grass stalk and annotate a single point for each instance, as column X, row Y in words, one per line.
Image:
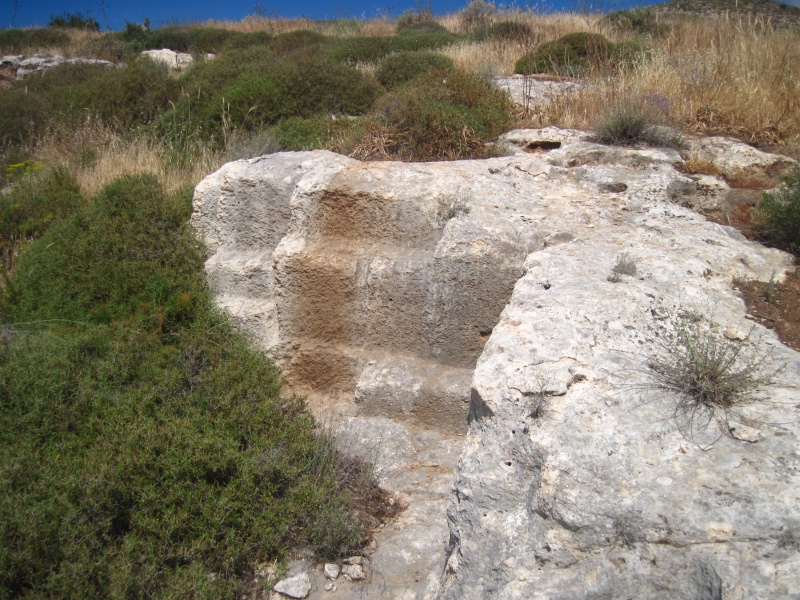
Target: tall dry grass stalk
column 97, row 156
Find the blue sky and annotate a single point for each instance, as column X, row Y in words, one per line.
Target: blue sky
column 114, row 13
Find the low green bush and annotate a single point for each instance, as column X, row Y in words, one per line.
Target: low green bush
column 29, row 106
column 423, row 26
column 445, row 115
column 508, row 31
column 250, row 89
column 571, row 54
column 14, row 41
column 120, row 98
column 401, row 67
column 632, row 122
column 246, row 40
column 373, row 49
column 38, row 197
column 779, row 213
column 300, row 41
column 304, row 134
column 109, row 46
column 109, row 258
column 22, row 116
column 135, row 39
column 124, row 98
column 146, row 449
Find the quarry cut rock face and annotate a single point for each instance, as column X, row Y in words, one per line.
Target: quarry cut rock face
column 416, row 296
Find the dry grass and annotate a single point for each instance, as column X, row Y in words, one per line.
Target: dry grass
column 730, row 77
column 97, row 156
column 79, row 41
column 699, row 166
column 490, row 57
column 497, row 57
column 552, row 26
column 727, row 76
column 337, row 28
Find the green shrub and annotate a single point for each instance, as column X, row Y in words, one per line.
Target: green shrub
column 204, row 40
column 38, row 197
column 423, row 26
column 22, row 116
column 128, row 97
column 301, row 40
column 571, row 54
column 445, row 115
column 401, row 67
column 631, row 123
column 641, row 22
column 315, row 85
column 121, row 98
column 508, row 31
column 310, row 134
column 14, row 41
column 249, row 90
column 301, row 134
column 779, row 213
column 75, row 21
column 246, row 40
column 373, row 49
column 109, row 258
column 135, row 39
column 29, row 106
column 146, row 449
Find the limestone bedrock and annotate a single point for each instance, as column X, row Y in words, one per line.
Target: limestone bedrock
column 421, row 293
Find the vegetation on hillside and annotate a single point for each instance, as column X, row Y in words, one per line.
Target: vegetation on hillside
column 147, row 450
column 779, row 214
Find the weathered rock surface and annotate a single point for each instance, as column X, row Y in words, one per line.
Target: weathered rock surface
column 25, row 67
column 174, row 60
column 377, row 286
column 537, row 91
column 734, row 158
column 297, row 586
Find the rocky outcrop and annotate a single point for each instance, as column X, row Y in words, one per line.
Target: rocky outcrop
column 25, row 67
column 426, row 292
column 537, row 91
column 358, row 285
column 173, row 60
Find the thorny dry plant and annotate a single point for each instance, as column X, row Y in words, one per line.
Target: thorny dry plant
column 710, row 375
column 625, row 265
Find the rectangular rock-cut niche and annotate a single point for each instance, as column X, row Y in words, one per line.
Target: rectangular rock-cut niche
column 377, row 301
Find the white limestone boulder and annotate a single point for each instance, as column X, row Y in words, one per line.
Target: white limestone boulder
column 421, row 292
